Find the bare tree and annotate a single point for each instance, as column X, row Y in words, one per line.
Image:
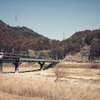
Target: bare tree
column 59, row 72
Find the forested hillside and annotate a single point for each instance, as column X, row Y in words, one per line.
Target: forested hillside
column 20, row 39
column 79, row 39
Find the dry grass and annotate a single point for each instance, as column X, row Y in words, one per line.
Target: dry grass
column 59, row 72
column 7, row 96
column 20, row 86
column 17, row 87
column 10, row 68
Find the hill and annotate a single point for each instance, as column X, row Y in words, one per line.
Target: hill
column 21, row 39
column 86, row 42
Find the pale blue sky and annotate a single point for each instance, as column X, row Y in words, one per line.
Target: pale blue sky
column 52, row 18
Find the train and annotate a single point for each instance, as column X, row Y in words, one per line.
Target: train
column 9, row 55
column 5, row 55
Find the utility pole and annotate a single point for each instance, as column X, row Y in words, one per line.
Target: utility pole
column 16, row 20
column 15, row 17
column 63, row 36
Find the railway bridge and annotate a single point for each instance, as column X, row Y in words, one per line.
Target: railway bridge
column 18, row 61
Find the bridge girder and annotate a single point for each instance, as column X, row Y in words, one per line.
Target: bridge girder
column 17, row 62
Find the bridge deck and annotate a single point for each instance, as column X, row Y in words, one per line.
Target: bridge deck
column 27, row 60
column 17, row 62
column 36, row 60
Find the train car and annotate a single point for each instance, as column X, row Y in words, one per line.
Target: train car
column 9, row 56
column 5, row 55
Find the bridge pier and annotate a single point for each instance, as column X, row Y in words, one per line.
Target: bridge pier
column 17, row 63
column 1, row 68
column 41, row 65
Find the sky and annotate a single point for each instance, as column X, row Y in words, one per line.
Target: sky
column 54, row 19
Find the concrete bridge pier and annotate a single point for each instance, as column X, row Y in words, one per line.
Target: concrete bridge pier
column 1, row 68
column 17, row 63
column 41, row 65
